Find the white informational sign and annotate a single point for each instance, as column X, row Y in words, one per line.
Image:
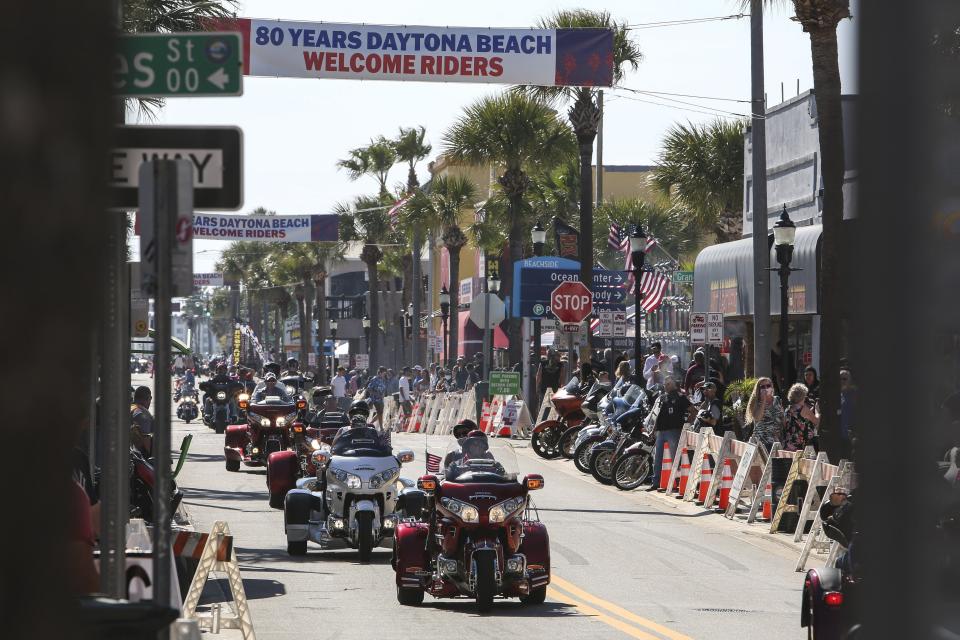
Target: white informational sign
column 619, row 324
column 478, row 310
column 311, row 359
column 715, row 329
column 206, row 165
column 208, row 279
column 698, row 328
column 362, row 360
column 605, row 330
column 466, row 290
column 545, row 57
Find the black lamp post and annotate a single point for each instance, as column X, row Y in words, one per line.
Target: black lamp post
column 784, row 234
column 365, row 321
column 333, row 346
column 444, row 315
column 493, row 286
column 638, row 242
column 539, row 235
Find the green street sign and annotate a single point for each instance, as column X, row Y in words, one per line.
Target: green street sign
column 683, row 277
column 504, row 383
column 179, row 64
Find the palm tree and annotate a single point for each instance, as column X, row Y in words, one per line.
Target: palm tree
column 375, row 160
column 820, row 18
column 411, row 147
column 701, row 168
column 669, row 224
column 366, row 221
column 517, row 133
column 585, row 110
column 440, row 209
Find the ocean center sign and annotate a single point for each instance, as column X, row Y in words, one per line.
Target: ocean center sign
column 546, row 57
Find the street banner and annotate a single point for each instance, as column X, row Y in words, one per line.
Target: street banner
column 208, row 280
column 546, row 57
column 310, row 228
column 568, row 240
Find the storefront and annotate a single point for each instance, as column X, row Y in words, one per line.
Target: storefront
column 723, row 282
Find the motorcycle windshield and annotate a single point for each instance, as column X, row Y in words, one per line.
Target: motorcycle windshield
column 481, row 459
column 361, row 442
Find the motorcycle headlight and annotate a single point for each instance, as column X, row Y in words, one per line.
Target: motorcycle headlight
column 221, row 395
column 290, row 390
column 281, row 421
column 503, row 510
column 265, row 422
column 383, row 477
column 466, row 512
column 351, row 480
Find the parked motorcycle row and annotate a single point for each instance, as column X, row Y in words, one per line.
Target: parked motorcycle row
column 608, row 434
column 467, row 531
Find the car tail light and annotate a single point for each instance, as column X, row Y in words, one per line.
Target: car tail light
column 833, row 598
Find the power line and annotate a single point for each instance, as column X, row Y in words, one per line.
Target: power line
column 683, row 95
column 720, row 114
column 684, row 102
column 637, row 26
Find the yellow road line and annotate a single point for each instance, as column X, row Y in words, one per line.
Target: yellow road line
column 556, row 594
column 577, row 592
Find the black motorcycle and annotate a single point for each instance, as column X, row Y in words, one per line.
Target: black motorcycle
column 628, row 430
column 590, row 408
column 217, row 411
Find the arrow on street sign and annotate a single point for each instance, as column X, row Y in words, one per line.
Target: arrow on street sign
column 219, row 79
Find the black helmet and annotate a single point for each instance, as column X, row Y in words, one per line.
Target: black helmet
column 462, row 428
column 292, row 363
column 321, row 392
column 271, row 366
column 475, row 444
column 359, row 408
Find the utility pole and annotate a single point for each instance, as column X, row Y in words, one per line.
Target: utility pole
column 600, row 151
column 416, row 291
column 761, row 252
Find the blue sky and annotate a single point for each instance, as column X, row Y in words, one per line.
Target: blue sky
column 295, row 130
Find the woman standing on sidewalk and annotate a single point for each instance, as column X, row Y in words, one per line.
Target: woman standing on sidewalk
column 801, row 420
column 764, row 414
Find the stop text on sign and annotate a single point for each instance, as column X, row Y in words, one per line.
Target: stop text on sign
column 571, row 302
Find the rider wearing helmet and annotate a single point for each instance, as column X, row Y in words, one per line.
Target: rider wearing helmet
column 460, row 431
column 359, row 413
column 269, row 387
column 271, row 367
column 293, row 367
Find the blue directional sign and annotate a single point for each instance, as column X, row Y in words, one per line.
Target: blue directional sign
column 535, row 278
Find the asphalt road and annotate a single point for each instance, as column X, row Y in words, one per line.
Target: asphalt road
column 624, row 565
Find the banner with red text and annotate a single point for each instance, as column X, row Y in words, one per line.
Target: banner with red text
column 546, row 57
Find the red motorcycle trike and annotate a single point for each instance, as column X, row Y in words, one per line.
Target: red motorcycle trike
column 271, row 437
column 479, row 540
column 546, row 435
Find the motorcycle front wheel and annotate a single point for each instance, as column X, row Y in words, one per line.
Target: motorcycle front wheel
column 365, row 535
column 581, row 458
column 601, row 466
column 486, row 584
column 544, row 444
column 568, row 442
column 631, row 470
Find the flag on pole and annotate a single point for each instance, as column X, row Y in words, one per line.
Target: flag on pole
column 394, row 213
column 433, row 463
column 617, row 239
column 656, row 287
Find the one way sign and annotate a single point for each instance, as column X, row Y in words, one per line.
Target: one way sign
column 214, row 153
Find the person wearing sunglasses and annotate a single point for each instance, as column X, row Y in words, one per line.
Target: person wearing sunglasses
column 764, row 414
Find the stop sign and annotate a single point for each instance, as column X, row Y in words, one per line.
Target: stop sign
column 571, row 302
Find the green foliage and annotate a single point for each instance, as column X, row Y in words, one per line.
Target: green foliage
column 701, row 169
column 411, row 147
column 668, row 224
column 739, row 390
column 374, row 160
column 516, row 131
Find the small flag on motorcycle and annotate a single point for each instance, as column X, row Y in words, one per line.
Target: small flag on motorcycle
column 433, row 463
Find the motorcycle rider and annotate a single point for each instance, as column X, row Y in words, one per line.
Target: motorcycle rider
column 460, row 431
column 141, row 429
column 709, row 412
column 473, row 447
column 359, row 413
column 220, row 379
column 293, row 368
column 269, row 387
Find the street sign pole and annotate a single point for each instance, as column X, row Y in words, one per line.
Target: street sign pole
column 115, row 412
column 166, row 191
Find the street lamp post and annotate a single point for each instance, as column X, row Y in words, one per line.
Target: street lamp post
column 784, row 234
column 493, row 286
column 539, row 236
column 444, row 314
column 365, row 321
column 638, row 242
column 333, row 347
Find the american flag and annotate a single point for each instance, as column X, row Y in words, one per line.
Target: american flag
column 617, row 240
column 628, row 259
column 653, row 286
column 433, row 463
column 394, row 212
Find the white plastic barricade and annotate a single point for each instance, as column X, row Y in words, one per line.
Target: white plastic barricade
column 689, row 440
column 816, row 539
column 821, row 475
column 747, row 455
column 800, row 470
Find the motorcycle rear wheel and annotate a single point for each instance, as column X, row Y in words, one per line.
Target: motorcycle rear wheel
column 409, row 597
column 219, row 426
column 298, row 548
column 233, row 465
column 542, row 448
column 601, row 466
column 365, row 535
column 536, row 596
column 486, row 585
column 568, row 442
column 581, row 458
column 631, row 470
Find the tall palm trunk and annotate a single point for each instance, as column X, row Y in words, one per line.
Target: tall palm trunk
column 371, row 256
column 826, row 85
column 515, row 183
column 406, row 297
column 301, row 318
column 278, row 325
column 585, row 119
column 306, row 332
column 454, row 251
column 320, row 299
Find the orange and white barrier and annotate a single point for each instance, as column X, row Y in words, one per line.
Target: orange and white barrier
column 706, row 479
column 665, row 467
column 726, row 483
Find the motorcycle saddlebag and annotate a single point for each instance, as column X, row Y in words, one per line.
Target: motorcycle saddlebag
column 282, row 467
column 411, row 558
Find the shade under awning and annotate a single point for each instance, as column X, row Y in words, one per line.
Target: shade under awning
column 723, row 276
